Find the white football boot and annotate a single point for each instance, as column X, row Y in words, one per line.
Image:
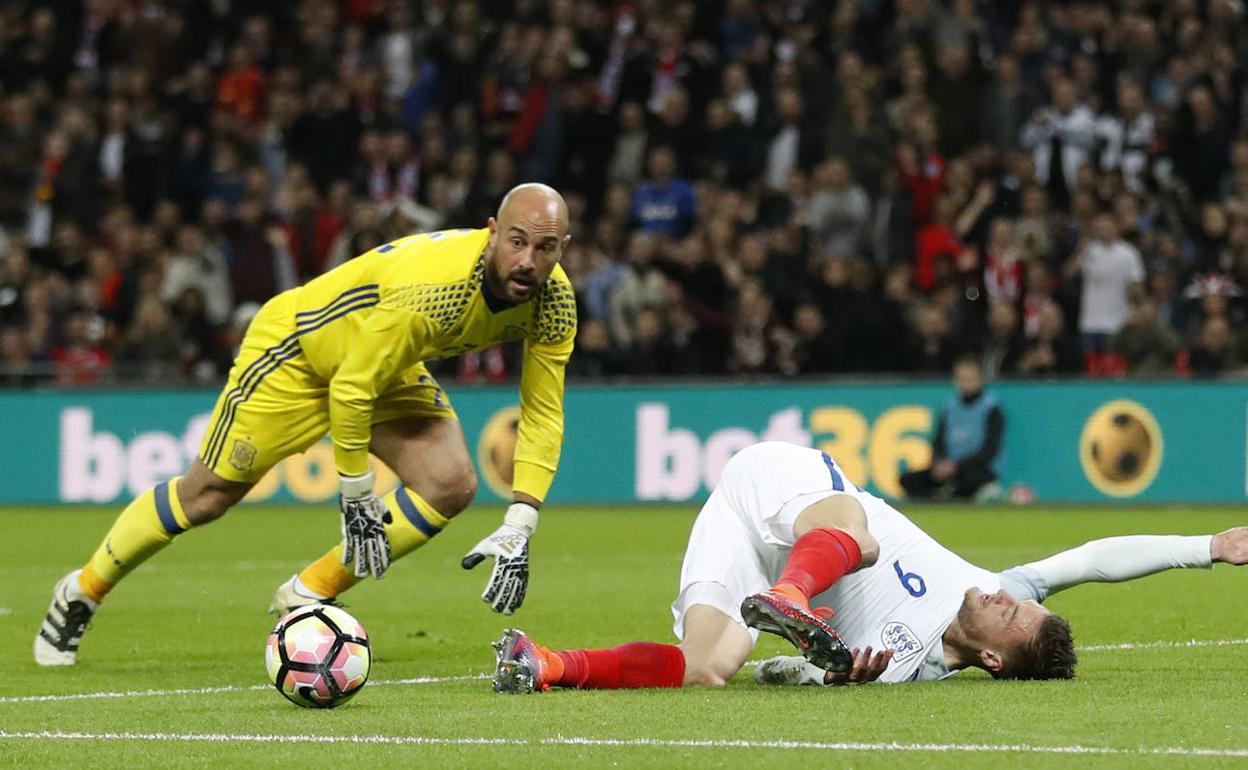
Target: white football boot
column 788, row 670
column 56, row 644
column 288, row 598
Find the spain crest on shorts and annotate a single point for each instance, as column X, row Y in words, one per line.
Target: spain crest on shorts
column 242, row 456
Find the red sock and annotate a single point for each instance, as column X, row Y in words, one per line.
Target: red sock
column 638, row 664
column 820, row 558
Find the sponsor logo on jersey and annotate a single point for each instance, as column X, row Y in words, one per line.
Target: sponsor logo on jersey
column 901, row 640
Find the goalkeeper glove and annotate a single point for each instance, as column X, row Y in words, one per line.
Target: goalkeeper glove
column 364, row 517
column 509, row 545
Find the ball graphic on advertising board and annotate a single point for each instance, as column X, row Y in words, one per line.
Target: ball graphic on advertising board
column 1121, row 448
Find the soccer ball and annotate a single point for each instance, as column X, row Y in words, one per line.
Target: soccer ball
column 318, row 656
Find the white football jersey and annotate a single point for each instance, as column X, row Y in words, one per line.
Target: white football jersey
column 907, row 599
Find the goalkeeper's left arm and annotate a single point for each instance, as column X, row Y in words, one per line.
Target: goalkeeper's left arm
column 536, row 460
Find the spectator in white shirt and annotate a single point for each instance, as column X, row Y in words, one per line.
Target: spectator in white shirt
column 740, row 94
column 1112, row 274
column 1061, row 138
column 1128, row 134
column 785, row 149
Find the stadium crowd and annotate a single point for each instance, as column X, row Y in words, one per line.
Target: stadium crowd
column 756, row 186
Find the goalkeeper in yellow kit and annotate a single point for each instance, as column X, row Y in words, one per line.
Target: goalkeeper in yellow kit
column 343, row 354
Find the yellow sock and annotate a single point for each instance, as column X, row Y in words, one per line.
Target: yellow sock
column 413, row 522
column 147, row 525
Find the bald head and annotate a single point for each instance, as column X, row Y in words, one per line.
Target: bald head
column 527, row 240
column 542, row 201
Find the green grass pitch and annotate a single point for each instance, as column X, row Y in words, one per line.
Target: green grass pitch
column 192, row 620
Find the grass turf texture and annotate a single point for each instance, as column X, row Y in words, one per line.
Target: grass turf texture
column 194, row 617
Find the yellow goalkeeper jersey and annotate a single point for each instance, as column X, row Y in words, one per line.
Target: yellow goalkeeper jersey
column 424, row 297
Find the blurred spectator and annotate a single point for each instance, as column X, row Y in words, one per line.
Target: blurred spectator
column 665, row 204
column 938, row 246
column 817, row 352
column 198, row 265
column 1035, row 228
column 858, row 132
column 80, row 360
column 1002, row 346
column 838, row 211
column 1215, row 350
column 595, row 355
column 966, row 447
column 1062, row 136
column 754, row 348
column 240, row 91
column 1051, row 351
column 931, row 351
column 1112, row 273
column 1147, row 347
column 1006, row 104
column 1003, row 263
column 151, row 346
column 645, row 351
column 791, row 145
column 642, row 286
column 957, row 92
column 260, row 259
column 17, row 368
column 1202, row 143
column 630, row 145
column 1129, row 133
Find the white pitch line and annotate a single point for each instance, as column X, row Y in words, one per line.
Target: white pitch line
column 561, row 740
column 1164, row 645
column 152, row 693
column 213, row 690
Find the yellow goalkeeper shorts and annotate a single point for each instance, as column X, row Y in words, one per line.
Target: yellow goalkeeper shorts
column 274, row 405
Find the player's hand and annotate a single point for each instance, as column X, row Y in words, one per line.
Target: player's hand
column 364, row 517
column 1230, row 547
column 866, row 668
column 509, row 545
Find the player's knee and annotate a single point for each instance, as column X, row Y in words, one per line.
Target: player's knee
column 868, row 546
column 456, row 488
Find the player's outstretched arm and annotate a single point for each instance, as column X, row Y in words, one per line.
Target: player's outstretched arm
column 1230, row 547
column 1113, row 560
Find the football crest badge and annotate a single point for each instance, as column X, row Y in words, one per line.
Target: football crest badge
column 242, row 456
column 901, row 640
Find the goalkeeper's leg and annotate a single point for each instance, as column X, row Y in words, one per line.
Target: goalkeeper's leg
column 431, row 457
column 413, row 522
column 149, row 523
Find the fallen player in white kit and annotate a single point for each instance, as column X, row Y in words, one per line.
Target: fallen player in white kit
column 784, row 529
